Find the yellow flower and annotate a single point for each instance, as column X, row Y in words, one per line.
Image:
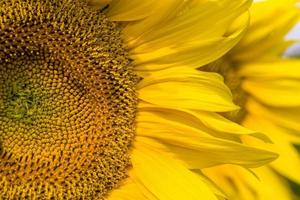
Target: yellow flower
column 266, row 86
column 74, row 78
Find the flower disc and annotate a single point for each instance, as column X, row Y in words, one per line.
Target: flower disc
column 67, row 101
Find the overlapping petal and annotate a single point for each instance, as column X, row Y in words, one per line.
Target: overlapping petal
column 270, row 84
column 239, row 183
column 270, row 21
column 178, row 127
column 186, row 88
column 191, row 144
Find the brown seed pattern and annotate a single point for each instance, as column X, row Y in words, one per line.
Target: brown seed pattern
column 67, row 101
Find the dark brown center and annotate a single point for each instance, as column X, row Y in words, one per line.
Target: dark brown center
column 67, row 101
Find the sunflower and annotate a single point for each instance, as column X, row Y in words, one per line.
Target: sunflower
column 102, row 99
column 265, row 85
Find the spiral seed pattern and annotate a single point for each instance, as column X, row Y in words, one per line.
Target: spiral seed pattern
column 67, row 101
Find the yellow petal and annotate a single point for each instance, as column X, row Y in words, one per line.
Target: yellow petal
column 270, row 182
column 239, row 184
column 196, row 147
column 221, row 124
column 192, row 21
column 275, row 92
column 233, row 180
column 175, row 15
column 166, row 178
column 160, row 12
column 130, row 189
column 287, row 118
column 217, row 190
column 282, row 68
column 210, row 122
column 176, row 32
column 129, row 10
column 193, row 53
column 265, row 36
column 288, row 154
column 273, row 83
column 186, row 88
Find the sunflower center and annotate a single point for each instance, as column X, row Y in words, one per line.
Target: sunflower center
column 20, row 102
column 229, row 71
column 67, row 101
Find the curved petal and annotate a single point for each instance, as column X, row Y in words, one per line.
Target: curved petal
column 265, row 37
column 131, row 189
column 175, row 15
column 196, row 147
column 210, row 122
column 279, row 69
column 273, row 83
column 186, row 88
column 129, row 10
column 287, row 118
column 239, row 183
column 182, row 52
column 166, row 178
column 276, row 92
column 282, row 145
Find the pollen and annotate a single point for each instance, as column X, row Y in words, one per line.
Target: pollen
column 67, row 101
